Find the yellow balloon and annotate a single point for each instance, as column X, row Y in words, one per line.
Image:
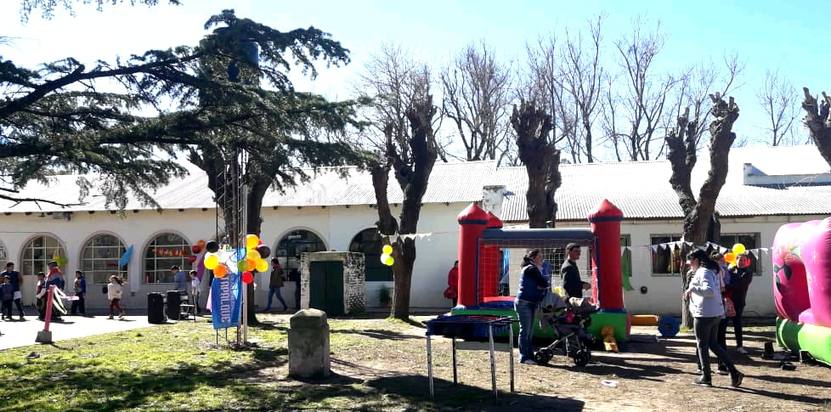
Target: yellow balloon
column 389, row 261
column 387, row 249
column 739, row 248
column 253, row 254
column 262, row 265
column 251, row 241
column 211, row 261
column 384, row 257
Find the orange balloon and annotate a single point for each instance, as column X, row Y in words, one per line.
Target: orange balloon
column 730, row 257
column 251, row 264
column 221, row 271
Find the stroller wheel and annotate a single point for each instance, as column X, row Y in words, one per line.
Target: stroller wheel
column 582, row 357
column 543, row 356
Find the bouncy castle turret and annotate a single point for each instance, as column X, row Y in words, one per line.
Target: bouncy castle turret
column 607, row 277
column 605, row 224
column 473, row 220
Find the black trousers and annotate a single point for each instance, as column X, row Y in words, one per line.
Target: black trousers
column 79, row 305
column 706, row 339
column 19, row 307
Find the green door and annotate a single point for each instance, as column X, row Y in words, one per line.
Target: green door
column 326, row 287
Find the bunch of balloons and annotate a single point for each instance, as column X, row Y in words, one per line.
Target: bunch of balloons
column 243, row 260
column 733, row 256
column 386, row 257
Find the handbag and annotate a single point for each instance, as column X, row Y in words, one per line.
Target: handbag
column 729, row 308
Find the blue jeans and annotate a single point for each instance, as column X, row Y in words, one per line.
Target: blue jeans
column 271, row 292
column 525, row 311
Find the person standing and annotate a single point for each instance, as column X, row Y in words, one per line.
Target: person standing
column 7, row 296
column 740, row 278
column 180, row 279
column 707, row 309
column 532, row 289
column 195, row 284
column 40, row 295
column 572, row 284
column 114, row 292
column 294, row 276
column 275, row 283
column 55, row 278
column 452, row 291
column 14, row 280
column 80, row 286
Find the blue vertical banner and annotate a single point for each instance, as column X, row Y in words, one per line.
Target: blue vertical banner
column 226, row 301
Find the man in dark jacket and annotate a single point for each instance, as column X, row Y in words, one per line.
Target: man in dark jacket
column 14, row 280
column 740, row 278
column 572, row 284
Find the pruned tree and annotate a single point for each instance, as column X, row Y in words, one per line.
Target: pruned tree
column 632, row 117
column 532, row 127
column 476, row 94
column 818, row 121
column 682, row 155
column 777, row 98
column 581, row 76
column 404, row 121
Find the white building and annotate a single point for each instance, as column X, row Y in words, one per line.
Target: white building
column 766, row 188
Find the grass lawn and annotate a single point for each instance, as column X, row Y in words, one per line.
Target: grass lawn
column 377, row 364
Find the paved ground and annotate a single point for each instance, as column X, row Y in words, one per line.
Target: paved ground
column 16, row 333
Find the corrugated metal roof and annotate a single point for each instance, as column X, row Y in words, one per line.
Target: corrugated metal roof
column 642, row 190
column 449, row 182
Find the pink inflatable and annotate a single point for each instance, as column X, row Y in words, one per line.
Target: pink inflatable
column 802, row 272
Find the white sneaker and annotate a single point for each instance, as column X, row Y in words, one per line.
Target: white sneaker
column 741, row 350
column 529, row 362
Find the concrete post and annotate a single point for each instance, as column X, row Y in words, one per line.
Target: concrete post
column 309, row 344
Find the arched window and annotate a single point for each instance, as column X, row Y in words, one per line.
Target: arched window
column 294, row 243
column 99, row 259
column 4, row 256
column 166, row 250
column 368, row 242
column 38, row 252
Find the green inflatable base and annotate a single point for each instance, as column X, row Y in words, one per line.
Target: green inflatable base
column 618, row 320
column 816, row 340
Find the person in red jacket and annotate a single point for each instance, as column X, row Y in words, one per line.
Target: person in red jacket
column 452, row 291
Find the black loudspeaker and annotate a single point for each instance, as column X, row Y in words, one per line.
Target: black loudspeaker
column 174, row 304
column 155, row 308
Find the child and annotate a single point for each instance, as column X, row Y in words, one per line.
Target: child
column 7, row 294
column 114, row 291
column 40, row 294
column 195, row 283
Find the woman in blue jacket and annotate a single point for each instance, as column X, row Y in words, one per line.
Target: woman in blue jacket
column 532, row 288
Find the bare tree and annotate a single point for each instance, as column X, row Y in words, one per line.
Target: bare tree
column 541, row 158
column 682, row 149
column 581, row 77
column 818, row 121
column 778, row 99
column 406, row 118
column 632, row 117
column 476, row 98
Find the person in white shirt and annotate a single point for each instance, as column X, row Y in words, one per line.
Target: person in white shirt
column 114, row 292
column 707, row 309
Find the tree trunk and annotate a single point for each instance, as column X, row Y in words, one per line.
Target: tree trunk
column 699, row 220
column 542, row 163
column 405, row 256
column 253, row 225
column 818, row 121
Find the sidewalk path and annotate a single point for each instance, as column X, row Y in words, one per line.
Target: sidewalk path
column 17, row 333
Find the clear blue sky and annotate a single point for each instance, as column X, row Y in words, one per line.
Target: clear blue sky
column 767, row 35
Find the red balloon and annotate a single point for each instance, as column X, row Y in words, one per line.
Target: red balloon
column 195, row 249
column 247, row 277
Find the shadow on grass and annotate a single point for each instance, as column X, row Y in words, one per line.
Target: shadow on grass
column 415, row 388
column 377, row 334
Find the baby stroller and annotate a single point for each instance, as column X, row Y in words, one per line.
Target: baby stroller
column 570, row 321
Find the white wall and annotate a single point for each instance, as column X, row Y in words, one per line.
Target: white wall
column 338, row 225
